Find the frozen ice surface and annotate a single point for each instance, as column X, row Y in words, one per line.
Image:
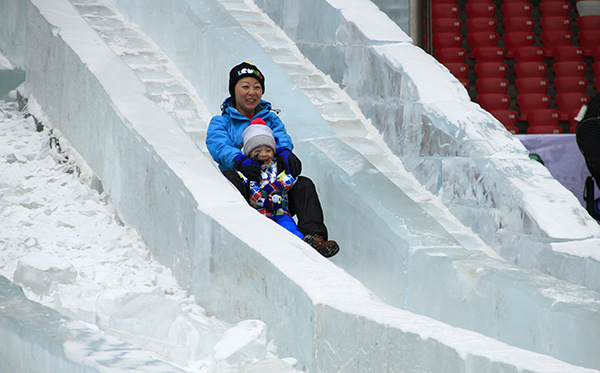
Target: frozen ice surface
column 43, row 273
column 65, row 244
column 248, row 339
column 427, row 119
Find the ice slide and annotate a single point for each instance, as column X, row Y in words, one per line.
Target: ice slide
column 415, row 289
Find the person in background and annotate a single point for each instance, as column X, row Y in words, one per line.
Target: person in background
column 224, row 141
column 592, row 109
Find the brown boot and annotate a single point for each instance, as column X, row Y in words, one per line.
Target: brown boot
column 325, row 248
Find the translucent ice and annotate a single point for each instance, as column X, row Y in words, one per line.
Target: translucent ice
column 42, row 272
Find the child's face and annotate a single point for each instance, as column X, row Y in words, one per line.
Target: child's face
column 262, row 153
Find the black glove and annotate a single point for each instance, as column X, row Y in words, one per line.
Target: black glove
column 287, row 159
column 247, row 166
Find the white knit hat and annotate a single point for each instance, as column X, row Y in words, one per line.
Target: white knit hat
column 257, row 134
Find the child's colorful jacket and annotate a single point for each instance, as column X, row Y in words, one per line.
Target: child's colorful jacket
column 269, row 196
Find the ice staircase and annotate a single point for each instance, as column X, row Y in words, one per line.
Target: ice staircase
column 454, row 304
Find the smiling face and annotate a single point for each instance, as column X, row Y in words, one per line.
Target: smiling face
column 262, row 153
column 248, row 93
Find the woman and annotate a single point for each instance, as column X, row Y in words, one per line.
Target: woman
column 224, row 141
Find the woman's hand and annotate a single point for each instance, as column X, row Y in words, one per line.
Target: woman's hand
column 287, row 159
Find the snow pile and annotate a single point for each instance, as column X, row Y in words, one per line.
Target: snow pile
column 64, row 242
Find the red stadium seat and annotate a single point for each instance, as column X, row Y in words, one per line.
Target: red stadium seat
column 446, row 40
column 567, row 53
column 530, row 69
column 515, row 39
column 597, row 83
column 595, row 69
column 445, row 25
column 491, row 85
column 543, row 117
column 588, row 22
column 508, row 118
column 569, row 103
column 458, row 69
column 443, row 1
column 596, row 53
column 531, row 101
column 531, row 85
column 491, row 69
column 538, row 130
column 567, row 84
column 569, row 68
column 555, row 23
column 493, row 101
column 465, row 82
column 488, row 54
column 516, row 9
column 533, row 53
column 478, row 24
column 588, row 39
column 552, row 39
column 518, row 24
column 573, row 127
column 482, row 39
column 480, row 9
column 555, row 8
column 450, row 54
column 543, row 121
column 444, row 10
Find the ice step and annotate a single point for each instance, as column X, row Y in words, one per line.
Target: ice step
column 165, row 84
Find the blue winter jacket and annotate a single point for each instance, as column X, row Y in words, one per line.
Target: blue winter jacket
column 224, row 136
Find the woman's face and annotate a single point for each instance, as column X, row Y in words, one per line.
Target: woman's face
column 248, row 93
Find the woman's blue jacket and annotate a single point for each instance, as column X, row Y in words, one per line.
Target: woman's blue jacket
column 224, row 136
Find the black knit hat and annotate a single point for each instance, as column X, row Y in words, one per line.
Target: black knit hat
column 241, row 71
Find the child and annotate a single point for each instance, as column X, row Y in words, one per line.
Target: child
column 269, row 195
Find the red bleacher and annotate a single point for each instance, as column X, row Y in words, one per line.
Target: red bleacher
column 531, row 64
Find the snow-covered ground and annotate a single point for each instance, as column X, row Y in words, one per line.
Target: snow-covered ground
column 62, row 240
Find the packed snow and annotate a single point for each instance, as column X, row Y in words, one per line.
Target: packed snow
column 62, row 240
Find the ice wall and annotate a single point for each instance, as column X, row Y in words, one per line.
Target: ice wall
column 384, row 216
column 38, row 339
column 181, row 205
column 398, row 11
column 160, row 184
column 428, row 120
column 10, row 77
